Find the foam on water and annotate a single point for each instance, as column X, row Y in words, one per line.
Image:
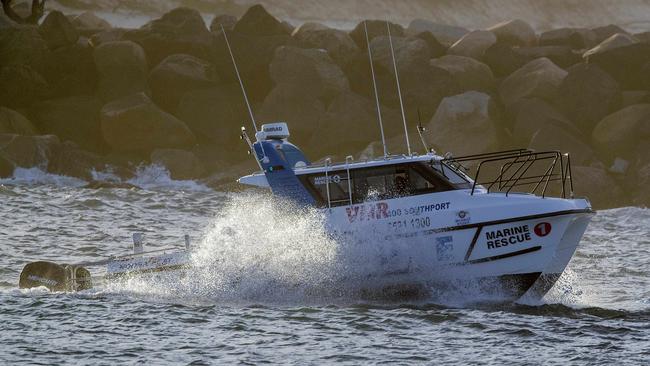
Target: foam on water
column 148, row 177
column 36, row 176
column 154, row 177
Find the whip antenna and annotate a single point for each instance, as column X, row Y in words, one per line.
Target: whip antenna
column 241, row 84
column 248, row 105
column 399, row 92
column 374, row 84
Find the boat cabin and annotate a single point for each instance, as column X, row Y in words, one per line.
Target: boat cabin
column 288, row 173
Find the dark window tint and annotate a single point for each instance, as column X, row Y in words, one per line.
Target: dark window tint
column 376, row 183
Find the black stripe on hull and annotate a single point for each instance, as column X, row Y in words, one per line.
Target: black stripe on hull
column 506, row 255
column 479, row 228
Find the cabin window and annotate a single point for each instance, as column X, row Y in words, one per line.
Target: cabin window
column 375, row 183
column 395, row 181
column 338, row 186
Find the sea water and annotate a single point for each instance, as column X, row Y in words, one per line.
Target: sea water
column 275, row 287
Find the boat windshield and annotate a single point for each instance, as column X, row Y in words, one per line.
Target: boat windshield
column 339, row 188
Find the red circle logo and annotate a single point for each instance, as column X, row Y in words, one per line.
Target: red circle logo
column 542, row 229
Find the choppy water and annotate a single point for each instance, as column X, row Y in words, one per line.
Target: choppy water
column 265, row 301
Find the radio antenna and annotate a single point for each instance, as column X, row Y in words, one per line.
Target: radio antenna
column 241, row 84
column 399, row 92
column 248, row 105
column 374, row 84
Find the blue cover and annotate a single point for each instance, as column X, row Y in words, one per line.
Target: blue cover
column 282, row 157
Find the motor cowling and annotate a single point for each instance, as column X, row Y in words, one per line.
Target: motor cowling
column 56, row 277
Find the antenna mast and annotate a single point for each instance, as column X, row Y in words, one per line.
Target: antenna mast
column 241, row 84
column 374, row 84
column 399, row 92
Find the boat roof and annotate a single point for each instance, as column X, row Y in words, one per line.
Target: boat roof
column 259, row 179
column 324, row 165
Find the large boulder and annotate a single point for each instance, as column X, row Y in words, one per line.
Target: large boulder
column 257, row 22
column 587, row 94
column 642, row 194
column 375, row 28
column 15, row 123
column 504, row 59
column 408, row 52
column 215, row 115
column 57, row 31
column 604, row 32
column 473, row 44
column 515, row 33
column 555, row 138
column 181, row 164
column 619, row 134
column 122, row 68
column 178, row 74
column 310, row 71
column 468, row 72
column 19, row 151
column 464, row 124
column 595, row 184
column 446, row 34
column 436, row 49
column 339, row 44
column 562, row 56
column 20, row 86
column 108, row 35
column 135, row 123
column 632, row 97
column 71, row 70
column 71, row 161
column 539, row 78
column 223, row 20
column 575, row 38
column 534, row 114
column 24, row 46
column 613, row 42
column 423, row 87
column 88, row 23
column 181, row 30
column 301, row 111
column 644, row 77
column 626, row 63
column 253, row 55
column 348, row 125
column 71, row 118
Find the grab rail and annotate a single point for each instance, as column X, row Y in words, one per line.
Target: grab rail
column 513, row 172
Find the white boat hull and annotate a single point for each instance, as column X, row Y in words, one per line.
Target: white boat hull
column 458, row 240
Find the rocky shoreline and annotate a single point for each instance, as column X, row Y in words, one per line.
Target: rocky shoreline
column 78, row 95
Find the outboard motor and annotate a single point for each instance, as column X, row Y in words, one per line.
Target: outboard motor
column 56, row 277
column 278, row 157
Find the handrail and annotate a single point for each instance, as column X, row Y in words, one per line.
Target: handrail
column 347, row 167
column 515, row 165
column 327, row 182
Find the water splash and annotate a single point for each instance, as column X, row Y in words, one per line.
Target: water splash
column 262, row 249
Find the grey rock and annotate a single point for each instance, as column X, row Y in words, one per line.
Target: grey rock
column 176, row 75
column 135, row 123
column 468, row 72
column 122, row 68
